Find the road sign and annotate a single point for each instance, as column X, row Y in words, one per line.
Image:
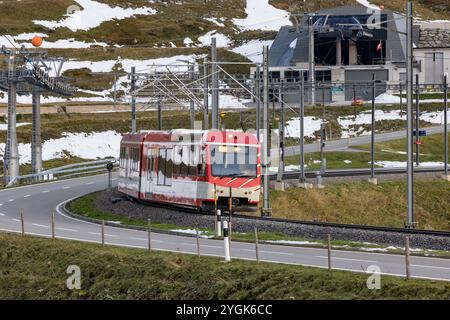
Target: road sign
column 422, row 133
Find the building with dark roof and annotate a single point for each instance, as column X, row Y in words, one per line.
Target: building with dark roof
column 351, row 44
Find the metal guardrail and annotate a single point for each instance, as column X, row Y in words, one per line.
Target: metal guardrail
column 67, row 171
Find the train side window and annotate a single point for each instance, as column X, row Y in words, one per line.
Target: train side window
column 193, row 161
column 202, row 165
column 136, row 161
column 122, row 157
column 165, row 167
column 127, row 162
column 177, row 154
column 184, row 170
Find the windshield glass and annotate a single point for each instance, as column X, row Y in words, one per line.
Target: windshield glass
column 234, row 161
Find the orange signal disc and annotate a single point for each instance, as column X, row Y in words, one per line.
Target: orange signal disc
column 37, row 41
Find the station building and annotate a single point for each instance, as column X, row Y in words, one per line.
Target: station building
column 351, row 43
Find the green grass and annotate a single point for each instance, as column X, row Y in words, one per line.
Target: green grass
column 34, row 268
column 432, row 148
column 362, row 203
column 85, row 207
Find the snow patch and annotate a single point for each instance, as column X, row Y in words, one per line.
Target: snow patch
column 253, row 49
column 401, row 164
column 221, row 39
column 312, row 125
column 262, row 16
column 92, row 14
column 96, row 145
column 202, row 234
column 4, row 126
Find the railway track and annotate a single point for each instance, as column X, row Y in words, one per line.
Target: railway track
column 353, row 226
column 318, row 224
column 354, row 172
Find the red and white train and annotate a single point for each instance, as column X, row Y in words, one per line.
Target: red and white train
column 192, row 168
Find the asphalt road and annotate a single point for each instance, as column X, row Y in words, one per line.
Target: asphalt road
column 38, row 201
column 345, row 144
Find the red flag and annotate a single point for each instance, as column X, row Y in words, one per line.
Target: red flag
column 380, row 46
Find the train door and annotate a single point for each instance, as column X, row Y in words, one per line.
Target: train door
column 150, row 177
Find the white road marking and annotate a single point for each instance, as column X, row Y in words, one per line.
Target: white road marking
column 432, row 267
column 66, row 188
column 141, row 239
column 271, row 252
column 347, row 259
column 89, row 183
column 26, row 196
column 1, row 204
column 17, row 220
column 10, row 200
column 207, row 246
column 45, row 191
column 2, row 214
column 40, row 225
column 106, row 235
column 65, row 229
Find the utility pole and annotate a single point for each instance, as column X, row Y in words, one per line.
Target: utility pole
column 266, row 210
column 258, row 102
column 312, row 64
column 401, row 99
column 302, row 132
column 192, row 106
column 11, row 149
column 417, row 140
column 372, row 179
column 323, row 135
column 446, row 175
column 410, row 223
column 36, row 146
column 115, row 90
column 205, row 95
column 133, row 100
column 283, row 126
column 280, row 184
column 159, row 113
column 215, row 86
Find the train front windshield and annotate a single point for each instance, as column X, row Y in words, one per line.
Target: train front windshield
column 234, row 161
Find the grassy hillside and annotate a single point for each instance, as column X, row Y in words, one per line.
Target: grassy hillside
column 361, row 203
column 35, row 268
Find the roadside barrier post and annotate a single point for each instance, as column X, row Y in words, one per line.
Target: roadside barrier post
column 103, row 232
column 149, row 233
column 218, row 223
column 215, row 198
column 230, row 203
column 329, row 251
column 256, row 245
column 226, row 241
column 407, row 259
column 53, row 225
column 22, row 223
column 198, row 243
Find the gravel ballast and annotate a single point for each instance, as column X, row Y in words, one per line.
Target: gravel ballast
column 134, row 209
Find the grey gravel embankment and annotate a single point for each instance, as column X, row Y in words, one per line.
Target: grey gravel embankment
column 134, row 209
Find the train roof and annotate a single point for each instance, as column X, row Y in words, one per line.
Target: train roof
column 192, row 135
